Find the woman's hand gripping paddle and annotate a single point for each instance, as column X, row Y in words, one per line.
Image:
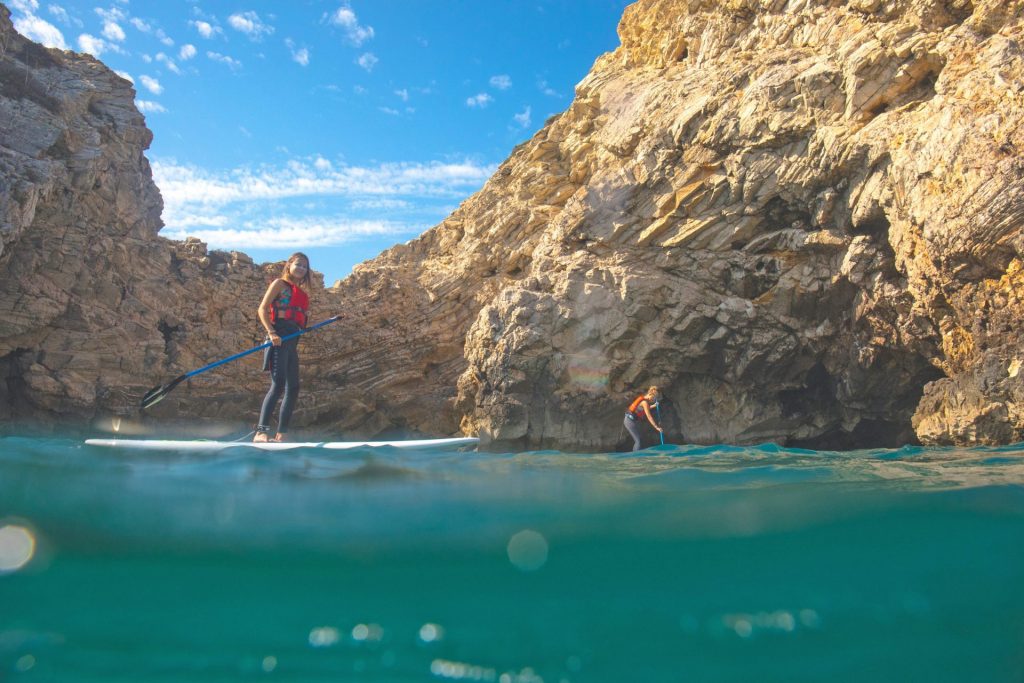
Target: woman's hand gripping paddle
column 157, row 394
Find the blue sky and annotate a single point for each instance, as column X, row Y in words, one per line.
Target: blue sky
column 332, row 127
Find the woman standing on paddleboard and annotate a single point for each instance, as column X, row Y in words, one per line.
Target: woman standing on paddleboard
column 283, row 311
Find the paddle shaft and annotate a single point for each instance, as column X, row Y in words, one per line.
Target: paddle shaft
column 256, row 348
column 661, row 432
column 157, row 394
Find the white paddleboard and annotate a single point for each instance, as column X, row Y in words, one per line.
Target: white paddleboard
column 209, row 446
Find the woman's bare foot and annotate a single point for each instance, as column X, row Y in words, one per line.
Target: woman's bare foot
column 281, row 438
column 261, row 437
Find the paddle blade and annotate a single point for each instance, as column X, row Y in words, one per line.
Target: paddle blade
column 157, row 394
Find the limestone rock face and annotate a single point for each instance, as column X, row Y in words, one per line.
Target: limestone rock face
column 801, row 219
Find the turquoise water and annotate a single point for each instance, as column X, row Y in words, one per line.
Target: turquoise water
column 674, row 564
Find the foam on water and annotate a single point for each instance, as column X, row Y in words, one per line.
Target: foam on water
column 709, row 563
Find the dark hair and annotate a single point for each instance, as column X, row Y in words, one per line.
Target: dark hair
column 293, row 258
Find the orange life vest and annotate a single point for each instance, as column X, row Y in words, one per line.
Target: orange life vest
column 291, row 304
column 634, row 407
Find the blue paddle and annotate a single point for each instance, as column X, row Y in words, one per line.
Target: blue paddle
column 157, row 394
column 657, row 409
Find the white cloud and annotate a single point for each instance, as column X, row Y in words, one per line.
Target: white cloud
column 481, row 100
column 164, row 38
column 140, row 24
column 300, row 55
column 245, row 208
column 40, row 30
column 63, row 16
column 113, row 14
column 113, row 31
column 24, row 6
column 185, row 186
column 224, row 59
column 356, row 33
column 205, row 29
column 543, row 86
column 501, row 82
column 250, row 24
column 523, row 118
column 403, row 94
column 292, row 233
column 151, row 84
column 381, row 204
column 390, row 112
column 367, row 61
column 93, row 45
column 149, row 107
column 187, row 52
column 201, row 219
column 126, row 76
column 168, row 62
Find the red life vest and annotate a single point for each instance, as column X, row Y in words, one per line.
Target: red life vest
column 291, row 304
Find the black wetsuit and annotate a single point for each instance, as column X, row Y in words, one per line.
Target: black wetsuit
column 283, row 363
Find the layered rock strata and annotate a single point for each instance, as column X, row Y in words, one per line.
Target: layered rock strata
column 802, row 219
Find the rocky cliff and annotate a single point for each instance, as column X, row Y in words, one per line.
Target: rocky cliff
column 802, row 219
column 95, row 304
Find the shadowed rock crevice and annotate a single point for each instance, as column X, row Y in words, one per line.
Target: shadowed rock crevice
column 12, row 385
column 18, row 82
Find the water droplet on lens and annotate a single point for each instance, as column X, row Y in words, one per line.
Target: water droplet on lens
column 324, row 636
column 810, row 618
column 528, row 550
column 367, row 633
column 743, row 628
column 17, row 546
column 430, row 633
column 785, row 621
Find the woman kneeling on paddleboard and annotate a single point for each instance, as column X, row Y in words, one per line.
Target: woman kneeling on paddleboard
column 283, row 311
column 641, row 407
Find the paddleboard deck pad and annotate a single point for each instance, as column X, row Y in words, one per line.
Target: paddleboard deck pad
column 210, row 446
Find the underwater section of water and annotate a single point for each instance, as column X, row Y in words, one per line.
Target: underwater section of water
column 673, row 564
